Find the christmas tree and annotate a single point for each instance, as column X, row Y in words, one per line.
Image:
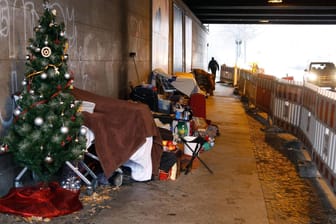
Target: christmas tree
column 47, row 129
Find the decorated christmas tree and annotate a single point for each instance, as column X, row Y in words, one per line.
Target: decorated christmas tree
column 47, row 129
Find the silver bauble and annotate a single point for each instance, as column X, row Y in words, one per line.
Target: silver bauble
column 67, row 76
column 37, row 49
column 17, row 112
column 44, row 75
column 27, row 57
column 31, row 91
column 48, row 159
column 38, row 121
column 64, row 130
column 83, row 130
column 24, row 82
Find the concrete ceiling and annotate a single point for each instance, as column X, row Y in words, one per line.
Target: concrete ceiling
column 260, row 11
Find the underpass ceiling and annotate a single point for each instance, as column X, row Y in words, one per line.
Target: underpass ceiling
column 260, row 11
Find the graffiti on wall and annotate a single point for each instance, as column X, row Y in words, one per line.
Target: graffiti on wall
column 16, row 33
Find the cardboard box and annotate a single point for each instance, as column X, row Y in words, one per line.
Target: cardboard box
column 172, row 174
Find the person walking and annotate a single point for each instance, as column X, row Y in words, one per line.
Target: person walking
column 213, row 66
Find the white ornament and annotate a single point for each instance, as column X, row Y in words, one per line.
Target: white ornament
column 37, row 49
column 31, row 91
column 46, row 52
column 67, row 76
column 54, row 12
column 64, row 130
column 17, row 112
column 44, row 75
column 83, row 130
column 48, row 159
column 38, row 121
column 24, row 82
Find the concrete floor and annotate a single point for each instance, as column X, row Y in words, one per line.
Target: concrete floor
column 231, row 195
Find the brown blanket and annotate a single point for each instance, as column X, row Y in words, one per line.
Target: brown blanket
column 120, row 128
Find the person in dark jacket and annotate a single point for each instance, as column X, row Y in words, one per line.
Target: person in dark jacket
column 213, row 66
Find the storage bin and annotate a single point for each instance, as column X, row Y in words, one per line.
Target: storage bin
column 164, row 106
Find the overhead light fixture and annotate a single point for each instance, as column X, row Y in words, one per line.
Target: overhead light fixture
column 264, row 21
column 274, row 1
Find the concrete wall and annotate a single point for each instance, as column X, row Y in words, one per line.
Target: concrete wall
column 101, row 35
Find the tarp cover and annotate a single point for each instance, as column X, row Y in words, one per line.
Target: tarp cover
column 45, row 201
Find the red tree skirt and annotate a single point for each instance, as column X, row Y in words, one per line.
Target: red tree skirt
column 41, row 201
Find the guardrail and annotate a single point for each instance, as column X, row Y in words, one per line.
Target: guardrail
column 302, row 109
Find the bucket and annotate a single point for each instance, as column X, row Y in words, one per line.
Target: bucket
column 192, row 145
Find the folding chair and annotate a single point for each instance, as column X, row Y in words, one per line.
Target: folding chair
column 195, row 152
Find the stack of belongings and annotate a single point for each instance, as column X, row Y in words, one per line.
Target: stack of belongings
column 205, row 81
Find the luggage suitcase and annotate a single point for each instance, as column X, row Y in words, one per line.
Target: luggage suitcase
column 145, row 95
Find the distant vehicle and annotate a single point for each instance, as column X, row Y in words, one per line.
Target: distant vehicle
column 322, row 74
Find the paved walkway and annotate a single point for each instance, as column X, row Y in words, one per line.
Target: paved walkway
column 232, row 195
column 252, row 184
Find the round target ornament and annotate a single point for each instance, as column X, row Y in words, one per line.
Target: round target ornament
column 46, row 52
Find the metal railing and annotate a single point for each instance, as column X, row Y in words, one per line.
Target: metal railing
column 302, row 109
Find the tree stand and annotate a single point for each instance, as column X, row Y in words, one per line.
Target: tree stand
column 90, row 185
